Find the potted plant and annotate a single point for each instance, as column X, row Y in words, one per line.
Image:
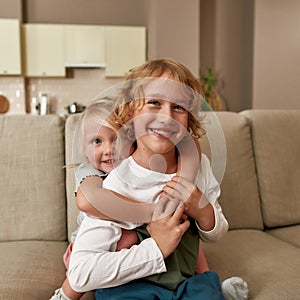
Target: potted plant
column 212, row 97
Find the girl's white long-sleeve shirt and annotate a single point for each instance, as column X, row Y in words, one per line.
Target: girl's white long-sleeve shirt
column 95, row 264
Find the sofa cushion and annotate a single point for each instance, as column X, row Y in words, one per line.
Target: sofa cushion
column 239, row 197
column 269, row 266
column 290, row 234
column 32, row 178
column 71, row 147
column 239, row 180
column 31, row 269
column 276, row 141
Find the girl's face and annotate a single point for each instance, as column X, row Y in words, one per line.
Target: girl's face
column 99, row 144
column 162, row 121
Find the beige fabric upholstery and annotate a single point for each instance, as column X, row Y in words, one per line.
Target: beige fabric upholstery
column 30, row 270
column 276, row 141
column 32, row 178
column 290, row 234
column 239, row 182
column 263, row 261
column 71, row 158
column 33, row 203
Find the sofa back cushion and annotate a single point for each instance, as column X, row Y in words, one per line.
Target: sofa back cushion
column 276, row 142
column 71, row 131
column 239, row 190
column 239, row 198
column 32, row 178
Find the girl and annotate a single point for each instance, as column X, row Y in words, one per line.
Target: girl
column 97, row 139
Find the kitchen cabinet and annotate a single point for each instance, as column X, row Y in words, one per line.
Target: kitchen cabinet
column 43, row 50
column 10, row 50
column 125, row 48
column 84, row 45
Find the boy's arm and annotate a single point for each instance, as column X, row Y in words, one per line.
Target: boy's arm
column 93, row 255
column 189, row 158
column 201, row 205
column 188, row 166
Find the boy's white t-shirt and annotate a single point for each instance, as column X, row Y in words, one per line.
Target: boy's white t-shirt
column 134, row 181
column 93, row 263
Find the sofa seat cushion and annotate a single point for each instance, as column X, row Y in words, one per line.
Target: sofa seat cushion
column 31, row 269
column 290, row 234
column 269, row 265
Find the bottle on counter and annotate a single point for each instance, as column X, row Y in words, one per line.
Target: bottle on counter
column 34, row 107
column 44, row 104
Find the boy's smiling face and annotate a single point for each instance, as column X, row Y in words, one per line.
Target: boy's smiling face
column 163, row 119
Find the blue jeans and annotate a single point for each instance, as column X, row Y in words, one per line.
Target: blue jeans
column 204, row 286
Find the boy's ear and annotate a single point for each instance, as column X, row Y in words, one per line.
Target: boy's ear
column 129, row 116
column 127, row 131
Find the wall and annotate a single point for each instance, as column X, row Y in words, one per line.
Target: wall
column 80, row 86
column 276, row 74
column 227, row 47
column 13, row 87
column 11, row 9
column 176, row 19
column 253, row 46
column 174, row 31
column 101, row 12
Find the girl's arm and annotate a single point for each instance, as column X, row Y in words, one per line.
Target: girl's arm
column 103, row 203
column 86, row 206
column 95, row 202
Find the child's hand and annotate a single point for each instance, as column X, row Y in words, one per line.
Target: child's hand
column 167, row 232
column 164, row 206
column 196, row 204
column 186, row 192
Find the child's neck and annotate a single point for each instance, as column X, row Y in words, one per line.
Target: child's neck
column 163, row 163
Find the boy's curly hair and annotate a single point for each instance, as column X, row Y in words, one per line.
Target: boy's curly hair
column 130, row 96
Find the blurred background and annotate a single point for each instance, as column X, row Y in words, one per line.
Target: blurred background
column 247, row 50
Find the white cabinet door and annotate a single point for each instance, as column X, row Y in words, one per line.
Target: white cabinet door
column 44, row 50
column 84, row 45
column 125, row 48
column 10, row 49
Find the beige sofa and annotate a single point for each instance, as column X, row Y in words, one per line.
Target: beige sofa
column 260, row 198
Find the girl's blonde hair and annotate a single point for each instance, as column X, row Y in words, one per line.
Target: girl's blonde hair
column 100, row 111
column 131, row 96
